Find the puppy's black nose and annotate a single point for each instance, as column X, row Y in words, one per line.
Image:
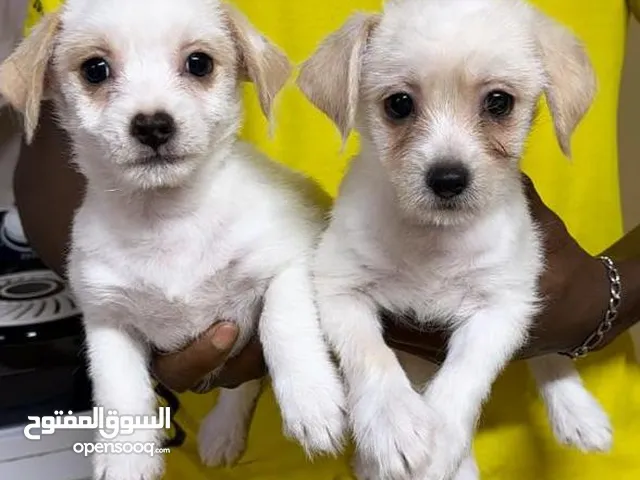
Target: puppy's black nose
column 153, row 130
column 448, row 180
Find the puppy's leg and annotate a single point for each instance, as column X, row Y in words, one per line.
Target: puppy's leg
column 305, row 381
column 364, row 470
column 468, row 469
column 420, row 372
column 576, row 417
column 389, row 418
column 223, row 432
column 478, row 351
column 635, row 339
column 121, row 382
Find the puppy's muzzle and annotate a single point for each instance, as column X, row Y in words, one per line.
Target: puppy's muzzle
column 153, row 130
column 448, row 180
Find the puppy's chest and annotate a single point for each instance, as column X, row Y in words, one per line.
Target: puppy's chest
column 171, row 302
column 167, row 316
column 433, row 293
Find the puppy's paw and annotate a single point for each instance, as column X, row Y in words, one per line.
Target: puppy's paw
column 580, row 422
column 363, row 469
column 393, row 434
column 123, row 466
column 314, row 415
column 222, row 438
column 450, row 443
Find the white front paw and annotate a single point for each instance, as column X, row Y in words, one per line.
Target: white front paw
column 123, row 466
column 580, row 422
column 364, row 470
column 393, row 433
column 222, row 438
column 450, row 443
column 314, row 414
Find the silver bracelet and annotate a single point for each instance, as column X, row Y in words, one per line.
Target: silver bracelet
column 615, row 292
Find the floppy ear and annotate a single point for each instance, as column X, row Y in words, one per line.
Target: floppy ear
column 261, row 62
column 23, row 73
column 571, row 80
column 330, row 79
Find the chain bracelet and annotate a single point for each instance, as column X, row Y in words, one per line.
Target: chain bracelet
column 615, row 292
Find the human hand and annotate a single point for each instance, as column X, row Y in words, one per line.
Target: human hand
column 575, row 290
column 183, row 370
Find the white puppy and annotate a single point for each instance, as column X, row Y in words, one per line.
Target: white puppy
column 182, row 223
column 432, row 220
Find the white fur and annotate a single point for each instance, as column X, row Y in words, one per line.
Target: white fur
column 472, row 269
column 161, row 251
column 223, row 432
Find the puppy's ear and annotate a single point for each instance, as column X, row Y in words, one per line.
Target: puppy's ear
column 330, row 79
column 23, row 74
column 261, row 62
column 571, row 79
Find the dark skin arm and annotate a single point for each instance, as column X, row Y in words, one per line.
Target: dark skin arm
column 574, row 284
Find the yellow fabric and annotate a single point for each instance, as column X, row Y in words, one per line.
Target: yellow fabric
column 514, row 440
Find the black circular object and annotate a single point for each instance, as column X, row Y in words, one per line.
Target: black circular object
column 199, row 64
column 35, row 306
column 498, row 103
column 96, row 70
column 153, row 130
column 448, row 180
column 30, row 290
column 399, row 106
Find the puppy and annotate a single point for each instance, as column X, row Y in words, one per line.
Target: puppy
column 432, row 220
column 181, row 223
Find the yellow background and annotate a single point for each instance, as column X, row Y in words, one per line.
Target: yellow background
column 514, row 441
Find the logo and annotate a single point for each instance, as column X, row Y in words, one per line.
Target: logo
column 109, row 423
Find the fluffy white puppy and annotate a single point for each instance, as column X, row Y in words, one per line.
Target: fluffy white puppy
column 432, row 220
column 181, row 223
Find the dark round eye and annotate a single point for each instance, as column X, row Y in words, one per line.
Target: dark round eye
column 199, row 64
column 498, row 103
column 95, row 70
column 399, row 106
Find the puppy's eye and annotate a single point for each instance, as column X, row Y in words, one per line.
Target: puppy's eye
column 399, row 106
column 199, row 64
column 498, row 103
column 95, row 70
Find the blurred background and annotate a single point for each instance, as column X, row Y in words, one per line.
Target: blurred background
column 41, row 366
column 629, row 130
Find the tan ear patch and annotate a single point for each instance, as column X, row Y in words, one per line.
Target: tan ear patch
column 23, row 73
column 330, row 79
column 261, row 62
column 572, row 80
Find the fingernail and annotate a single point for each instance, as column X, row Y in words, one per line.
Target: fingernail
column 224, row 336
